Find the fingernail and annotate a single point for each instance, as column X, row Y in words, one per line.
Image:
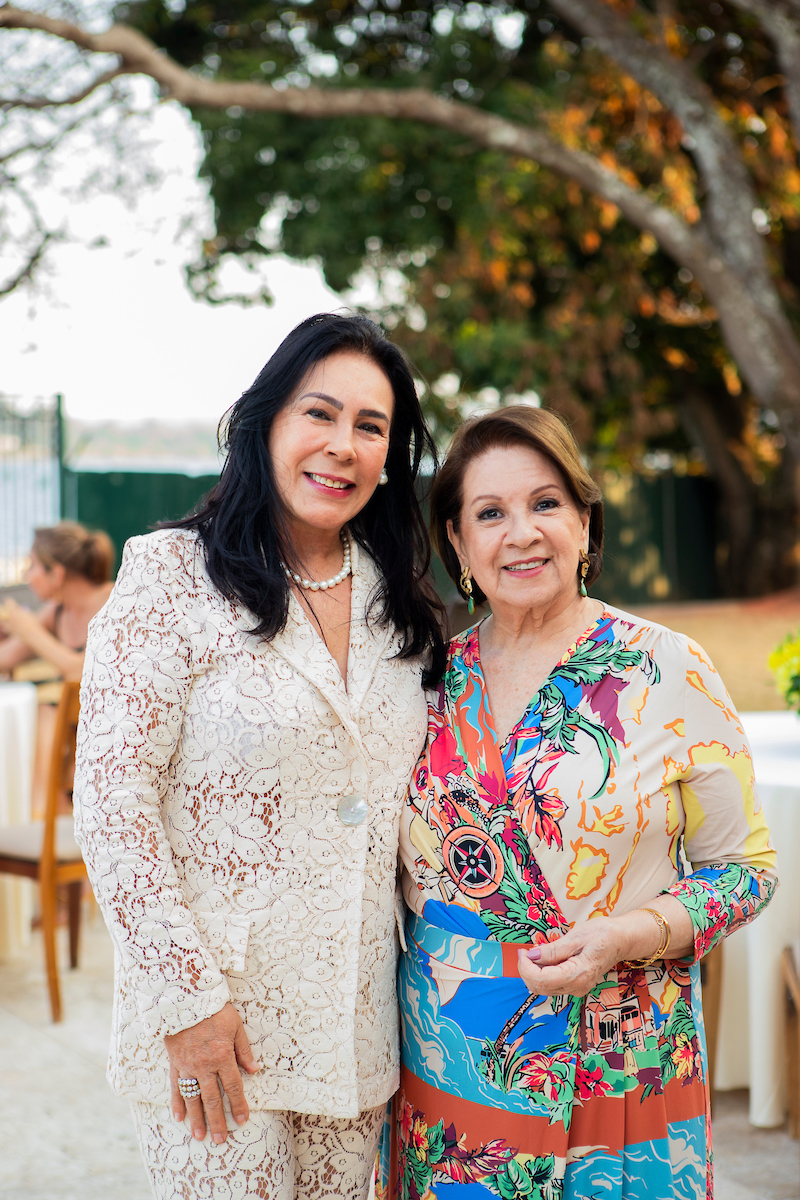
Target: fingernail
column 218, row 1138
column 241, row 1119
column 177, row 1116
column 534, row 954
column 199, row 1134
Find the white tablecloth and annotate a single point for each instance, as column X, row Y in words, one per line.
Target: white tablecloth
column 751, row 1051
column 17, row 749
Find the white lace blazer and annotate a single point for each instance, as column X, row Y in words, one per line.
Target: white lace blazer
column 213, row 773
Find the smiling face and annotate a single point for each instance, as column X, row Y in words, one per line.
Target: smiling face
column 329, row 443
column 520, row 531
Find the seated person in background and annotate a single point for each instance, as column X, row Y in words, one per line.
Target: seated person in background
column 71, row 572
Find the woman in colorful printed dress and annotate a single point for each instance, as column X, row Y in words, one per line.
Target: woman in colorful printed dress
column 581, row 829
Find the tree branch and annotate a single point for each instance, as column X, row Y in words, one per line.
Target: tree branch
column 41, row 102
column 26, row 271
column 780, row 19
column 138, row 55
column 731, row 197
column 759, row 331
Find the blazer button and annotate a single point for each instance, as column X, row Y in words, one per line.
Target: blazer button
column 352, row 810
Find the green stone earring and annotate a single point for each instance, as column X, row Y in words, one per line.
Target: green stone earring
column 466, row 587
column 584, row 570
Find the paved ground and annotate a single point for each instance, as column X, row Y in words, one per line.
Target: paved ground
column 64, row 1136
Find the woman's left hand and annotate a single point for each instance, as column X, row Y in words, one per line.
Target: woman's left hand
column 576, row 962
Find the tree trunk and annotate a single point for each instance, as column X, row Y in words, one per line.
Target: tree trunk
column 757, row 522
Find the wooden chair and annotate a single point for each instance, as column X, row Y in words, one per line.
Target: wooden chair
column 46, row 850
column 711, row 978
column 792, row 1001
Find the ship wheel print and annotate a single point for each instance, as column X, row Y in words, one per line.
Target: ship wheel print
column 473, row 861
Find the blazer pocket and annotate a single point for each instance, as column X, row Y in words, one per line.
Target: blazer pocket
column 226, row 935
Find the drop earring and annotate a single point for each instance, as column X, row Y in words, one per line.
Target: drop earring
column 466, row 586
column 383, row 477
column 584, row 570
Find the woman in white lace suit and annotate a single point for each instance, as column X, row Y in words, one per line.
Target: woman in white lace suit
column 252, row 709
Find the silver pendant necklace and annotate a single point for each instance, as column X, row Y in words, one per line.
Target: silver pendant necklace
column 325, row 584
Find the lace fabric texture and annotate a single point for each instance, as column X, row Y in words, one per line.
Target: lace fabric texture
column 274, row 1156
column 210, row 769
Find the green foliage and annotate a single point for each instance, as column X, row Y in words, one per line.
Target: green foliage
column 784, row 663
column 510, row 278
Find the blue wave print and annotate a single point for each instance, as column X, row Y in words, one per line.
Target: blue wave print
column 662, row 1169
column 441, row 1055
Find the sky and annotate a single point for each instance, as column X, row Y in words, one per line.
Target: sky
column 115, row 328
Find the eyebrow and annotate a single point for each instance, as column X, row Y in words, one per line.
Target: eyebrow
column 362, row 412
column 546, row 487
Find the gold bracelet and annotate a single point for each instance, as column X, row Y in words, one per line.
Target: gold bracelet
column 663, row 944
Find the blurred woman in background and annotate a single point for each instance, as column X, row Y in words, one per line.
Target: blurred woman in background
column 70, row 572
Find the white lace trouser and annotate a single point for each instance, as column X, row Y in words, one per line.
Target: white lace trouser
column 275, row 1156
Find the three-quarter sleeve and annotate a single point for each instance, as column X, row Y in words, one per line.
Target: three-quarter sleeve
column 137, row 679
column 726, row 839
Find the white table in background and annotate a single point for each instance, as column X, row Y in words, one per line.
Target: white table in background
column 751, row 1051
column 17, row 750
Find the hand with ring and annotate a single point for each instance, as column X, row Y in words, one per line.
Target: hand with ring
column 206, row 1060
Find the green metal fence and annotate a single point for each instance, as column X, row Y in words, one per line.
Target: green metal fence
column 127, row 503
column 660, row 539
column 660, row 535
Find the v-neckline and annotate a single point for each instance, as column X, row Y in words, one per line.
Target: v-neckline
column 477, row 666
column 339, row 680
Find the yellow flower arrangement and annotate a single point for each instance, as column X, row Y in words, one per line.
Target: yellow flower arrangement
column 784, row 662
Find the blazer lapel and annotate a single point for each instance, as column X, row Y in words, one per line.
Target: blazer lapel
column 303, row 648
column 369, row 643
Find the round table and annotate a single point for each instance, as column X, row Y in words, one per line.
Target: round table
column 751, row 1051
column 17, row 749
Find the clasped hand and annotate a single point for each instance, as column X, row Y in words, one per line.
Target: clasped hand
column 576, row 962
column 212, row 1053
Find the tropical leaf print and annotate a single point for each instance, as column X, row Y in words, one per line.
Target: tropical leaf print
column 533, row 1178
column 720, row 898
column 455, row 682
column 548, row 1079
column 425, row 1151
column 679, row 1050
column 542, row 811
column 559, row 721
column 530, row 912
column 593, row 660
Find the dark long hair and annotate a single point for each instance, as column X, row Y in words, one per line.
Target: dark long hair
column 241, row 522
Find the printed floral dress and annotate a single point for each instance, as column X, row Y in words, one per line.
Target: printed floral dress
column 628, row 764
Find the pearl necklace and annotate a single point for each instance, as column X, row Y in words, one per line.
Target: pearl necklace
column 323, row 586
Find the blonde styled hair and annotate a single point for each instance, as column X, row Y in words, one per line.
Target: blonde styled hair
column 518, row 425
column 84, row 552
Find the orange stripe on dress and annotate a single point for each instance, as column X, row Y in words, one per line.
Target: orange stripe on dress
column 479, row 1124
column 510, row 951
